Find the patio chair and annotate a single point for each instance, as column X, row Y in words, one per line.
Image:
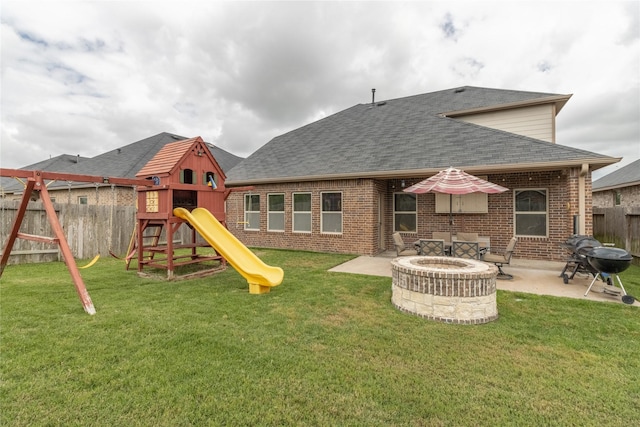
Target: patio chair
column 432, row 247
column 446, row 236
column 468, row 250
column 467, row 237
column 502, row 260
column 401, row 247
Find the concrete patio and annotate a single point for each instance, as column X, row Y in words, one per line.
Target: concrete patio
column 535, row 277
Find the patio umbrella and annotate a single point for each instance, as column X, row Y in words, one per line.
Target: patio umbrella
column 454, row 181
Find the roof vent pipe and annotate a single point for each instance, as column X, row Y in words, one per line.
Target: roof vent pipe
column 373, row 96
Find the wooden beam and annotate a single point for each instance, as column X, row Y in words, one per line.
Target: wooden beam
column 85, row 299
column 17, row 222
column 59, row 176
column 41, row 239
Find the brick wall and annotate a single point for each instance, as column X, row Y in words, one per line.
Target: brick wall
column 360, row 215
column 359, row 211
column 103, row 195
column 629, row 197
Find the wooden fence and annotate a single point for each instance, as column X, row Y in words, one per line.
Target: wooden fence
column 618, row 225
column 90, row 230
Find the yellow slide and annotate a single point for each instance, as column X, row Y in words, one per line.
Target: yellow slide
column 261, row 277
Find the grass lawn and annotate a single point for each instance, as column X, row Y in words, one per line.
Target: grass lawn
column 321, row 349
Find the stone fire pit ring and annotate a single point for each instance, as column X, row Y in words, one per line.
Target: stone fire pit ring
column 445, row 289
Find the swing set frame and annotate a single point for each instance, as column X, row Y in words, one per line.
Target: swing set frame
column 36, row 182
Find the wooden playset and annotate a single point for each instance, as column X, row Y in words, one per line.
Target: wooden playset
column 182, row 174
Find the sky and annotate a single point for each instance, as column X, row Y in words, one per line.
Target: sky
column 86, row 77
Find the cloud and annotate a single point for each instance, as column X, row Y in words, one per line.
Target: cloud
column 86, row 77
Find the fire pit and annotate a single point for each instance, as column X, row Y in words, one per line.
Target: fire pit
column 446, row 289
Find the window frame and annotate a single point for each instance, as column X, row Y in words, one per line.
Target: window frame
column 518, row 191
column 270, row 212
column 324, row 212
column 247, row 212
column 415, row 197
column 81, row 198
column 300, row 213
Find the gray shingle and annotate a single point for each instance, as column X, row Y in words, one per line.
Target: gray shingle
column 627, row 175
column 401, row 135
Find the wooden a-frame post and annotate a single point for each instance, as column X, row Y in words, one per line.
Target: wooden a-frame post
column 35, row 182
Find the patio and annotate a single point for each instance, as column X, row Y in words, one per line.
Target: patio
column 535, row 277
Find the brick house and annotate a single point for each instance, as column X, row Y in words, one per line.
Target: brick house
column 619, row 188
column 335, row 185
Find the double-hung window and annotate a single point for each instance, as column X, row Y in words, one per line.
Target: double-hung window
column 405, row 212
column 331, row 217
column 252, row 212
column 301, row 213
column 275, row 212
column 531, row 212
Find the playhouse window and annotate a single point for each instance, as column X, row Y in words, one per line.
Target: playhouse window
column 531, row 212
column 252, row 212
column 302, row 212
column 187, row 176
column 275, row 212
column 331, row 218
column 210, row 179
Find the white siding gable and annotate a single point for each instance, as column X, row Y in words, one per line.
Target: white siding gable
column 536, row 121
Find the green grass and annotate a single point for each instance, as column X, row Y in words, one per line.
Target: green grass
column 320, row 349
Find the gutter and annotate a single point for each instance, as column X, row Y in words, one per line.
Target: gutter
column 616, row 186
column 594, row 164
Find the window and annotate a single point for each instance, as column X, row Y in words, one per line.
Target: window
column 82, row 200
column 252, row 212
column 618, row 198
column 275, row 212
column 210, row 179
column 405, row 213
column 531, row 211
column 302, row 212
column 187, row 176
column 331, row 218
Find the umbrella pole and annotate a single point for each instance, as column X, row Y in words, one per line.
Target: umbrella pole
column 451, row 214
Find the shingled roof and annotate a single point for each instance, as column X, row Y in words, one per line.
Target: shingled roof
column 412, row 136
column 167, row 158
column 122, row 162
column 624, row 177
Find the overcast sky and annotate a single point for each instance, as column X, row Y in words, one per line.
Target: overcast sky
column 85, row 77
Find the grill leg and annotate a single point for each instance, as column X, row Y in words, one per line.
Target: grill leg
column 622, row 287
column 592, row 282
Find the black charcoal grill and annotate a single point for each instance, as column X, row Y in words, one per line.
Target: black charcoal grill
column 610, row 262
column 579, row 246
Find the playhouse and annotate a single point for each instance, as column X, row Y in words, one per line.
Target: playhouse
column 182, row 174
column 187, row 187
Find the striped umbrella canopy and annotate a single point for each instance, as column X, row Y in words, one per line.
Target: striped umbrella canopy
column 454, row 181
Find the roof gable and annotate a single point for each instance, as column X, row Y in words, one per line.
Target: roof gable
column 170, row 157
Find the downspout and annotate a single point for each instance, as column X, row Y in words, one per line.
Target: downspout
column 582, row 208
